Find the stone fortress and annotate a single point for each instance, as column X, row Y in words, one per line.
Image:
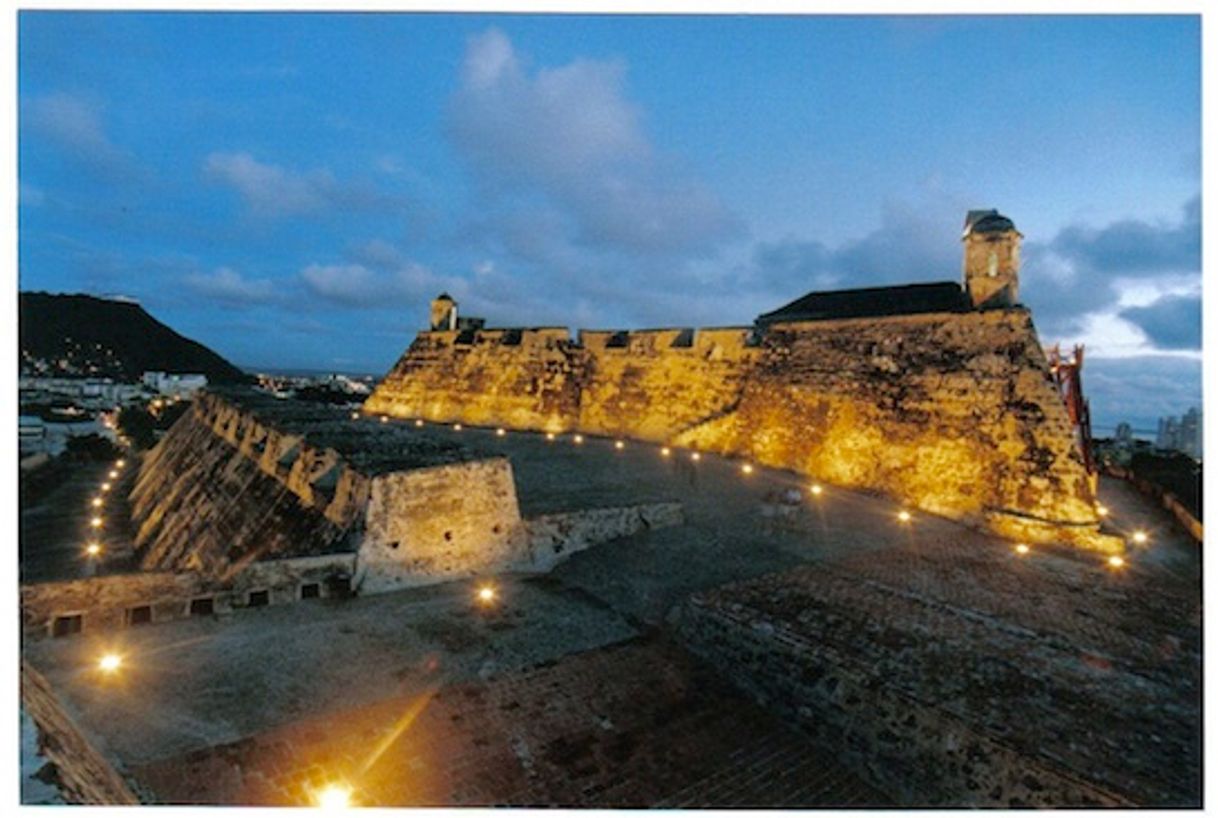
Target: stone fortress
column 312, row 575
column 938, row 394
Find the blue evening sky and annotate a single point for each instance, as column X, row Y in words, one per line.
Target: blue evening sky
column 292, row 189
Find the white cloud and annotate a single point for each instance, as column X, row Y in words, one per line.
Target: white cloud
column 271, row 190
column 229, row 286
column 570, row 137
column 356, row 285
column 74, row 125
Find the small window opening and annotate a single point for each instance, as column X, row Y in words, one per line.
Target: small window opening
column 139, row 615
column 203, row 606
column 67, row 625
column 310, row 590
column 448, row 536
column 259, row 599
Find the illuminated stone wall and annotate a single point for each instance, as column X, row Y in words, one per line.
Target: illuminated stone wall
column 953, row 413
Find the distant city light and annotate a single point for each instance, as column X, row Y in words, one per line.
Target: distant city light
column 665, row 452
column 816, row 490
column 904, row 516
column 1116, row 562
column 1140, row 537
column 1021, row 549
column 747, row 468
column 1101, row 510
column 333, row 796
column 110, row 663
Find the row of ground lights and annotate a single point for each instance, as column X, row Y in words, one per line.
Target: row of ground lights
column 816, row 490
column 93, row 548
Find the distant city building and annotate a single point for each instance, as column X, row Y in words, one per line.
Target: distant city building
column 1182, row 434
column 174, row 385
column 1124, row 433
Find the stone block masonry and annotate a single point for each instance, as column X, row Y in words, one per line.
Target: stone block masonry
column 954, row 413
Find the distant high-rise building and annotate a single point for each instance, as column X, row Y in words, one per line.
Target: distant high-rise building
column 1181, row 434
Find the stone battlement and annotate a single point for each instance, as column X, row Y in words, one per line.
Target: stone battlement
column 952, row 412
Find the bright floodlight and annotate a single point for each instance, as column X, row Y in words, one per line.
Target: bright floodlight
column 96, row 522
column 617, row 444
column 113, row 475
column 904, row 516
column 97, row 501
column 1101, row 510
column 1115, row 561
column 486, row 594
column 695, row 456
column 120, row 463
column 816, row 490
column 93, row 549
column 501, row 431
column 1139, row 537
column 665, row 452
column 334, row 796
column 110, row 663
column 747, row 468
column 578, row 438
column 1021, row 549
column 105, row 486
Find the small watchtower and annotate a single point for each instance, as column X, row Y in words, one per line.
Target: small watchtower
column 991, row 259
column 443, row 313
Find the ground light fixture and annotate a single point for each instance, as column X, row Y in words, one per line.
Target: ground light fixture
column 487, row 594
column 113, row 475
column 904, row 516
column 1116, row 562
column 105, row 486
column 695, row 456
column 1021, row 549
column 1101, row 510
column 816, row 490
column 747, row 468
column 619, row 444
column 665, row 452
column 96, row 501
column 333, row 796
column 456, row 427
column 109, row 663
column 500, row 432
column 418, row 422
column 1140, row 537
column 96, row 522
column 93, row 549
column 578, row 438
column 549, row 435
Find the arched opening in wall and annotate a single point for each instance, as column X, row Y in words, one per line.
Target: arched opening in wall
column 465, row 337
column 139, row 615
column 619, row 340
column 67, row 625
column 511, row 338
column 339, row 586
column 684, row 339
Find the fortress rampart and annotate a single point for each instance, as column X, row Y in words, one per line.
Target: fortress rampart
column 952, row 412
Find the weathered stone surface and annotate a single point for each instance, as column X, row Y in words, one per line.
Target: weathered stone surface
column 83, row 775
column 953, row 413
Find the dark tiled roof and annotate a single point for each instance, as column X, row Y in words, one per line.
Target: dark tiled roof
column 872, row 302
column 986, row 221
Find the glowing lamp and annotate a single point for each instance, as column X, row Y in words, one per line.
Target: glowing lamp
column 1021, row 549
column 456, row 427
column 578, row 438
column 747, row 468
column 695, row 456
column 96, row 522
column 501, row 431
column 120, row 463
column 93, row 549
column 97, row 501
column 486, row 594
column 816, row 490
column 110, row 663
column 333, row 796
column 1140, row 537
column 617, row 444
column 105, row 486
column 665, row 452
column 418, row 422
column 549, row 435
column 904, row 516
column 113, row 475
column 384, row 419
column 1116, row 562
column 355, row 415
column 1101, row 510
